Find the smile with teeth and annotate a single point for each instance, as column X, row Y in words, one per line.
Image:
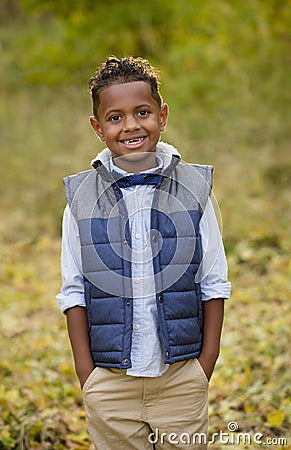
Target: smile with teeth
column 134, row 141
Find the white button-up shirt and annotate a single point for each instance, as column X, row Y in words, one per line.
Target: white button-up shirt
column 146, row 351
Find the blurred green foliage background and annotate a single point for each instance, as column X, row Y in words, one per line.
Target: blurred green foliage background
column 225, row 73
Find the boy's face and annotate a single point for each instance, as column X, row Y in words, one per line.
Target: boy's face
column 129, row 119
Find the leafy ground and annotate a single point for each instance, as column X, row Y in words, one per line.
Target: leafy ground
column 240, row 124
column 41, row 406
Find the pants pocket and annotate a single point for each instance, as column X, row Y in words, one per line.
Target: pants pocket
column 89, row 380
column 200, row 371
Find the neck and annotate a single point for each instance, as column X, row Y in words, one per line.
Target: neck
column 136, row 162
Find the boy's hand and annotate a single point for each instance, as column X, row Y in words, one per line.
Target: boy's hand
column 207, row 365
column 83, row 377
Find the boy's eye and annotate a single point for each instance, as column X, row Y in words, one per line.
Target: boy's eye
column 114, row 118
column 143, row 113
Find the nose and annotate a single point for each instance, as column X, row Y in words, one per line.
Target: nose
column 131, row 123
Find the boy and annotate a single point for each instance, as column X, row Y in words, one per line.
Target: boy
column 144, row 273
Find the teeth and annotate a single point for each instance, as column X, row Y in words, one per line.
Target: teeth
column 133, row 141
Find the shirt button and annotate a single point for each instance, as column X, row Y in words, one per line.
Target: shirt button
column 137, row 235
column 137, row 280
column 136, row 326
column 154, row 238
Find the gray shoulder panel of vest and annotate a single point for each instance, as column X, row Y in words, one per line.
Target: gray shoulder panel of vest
column 196, row 179
column 205, row 171
column 75, row 183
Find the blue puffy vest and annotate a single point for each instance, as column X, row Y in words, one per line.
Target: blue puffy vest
column 99, row 209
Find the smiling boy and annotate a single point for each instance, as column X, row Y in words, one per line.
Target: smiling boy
column 144, row 272
column 130, row 120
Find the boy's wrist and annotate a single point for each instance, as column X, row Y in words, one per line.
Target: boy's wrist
column 207, row 363
column 84, row 374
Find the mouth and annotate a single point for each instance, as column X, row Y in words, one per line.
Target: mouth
column 133, row 142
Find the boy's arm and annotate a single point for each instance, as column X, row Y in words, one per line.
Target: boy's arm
column 79, row 337
column 213, row 311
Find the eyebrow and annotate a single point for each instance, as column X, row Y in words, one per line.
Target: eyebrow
column 110, row 112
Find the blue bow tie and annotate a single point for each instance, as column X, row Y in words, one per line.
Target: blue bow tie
column 139, row 178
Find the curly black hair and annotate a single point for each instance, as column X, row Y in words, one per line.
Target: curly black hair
column 124, row 70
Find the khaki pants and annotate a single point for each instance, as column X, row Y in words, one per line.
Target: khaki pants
column 137, row 413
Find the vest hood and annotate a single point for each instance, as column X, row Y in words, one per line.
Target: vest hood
column 164, row 150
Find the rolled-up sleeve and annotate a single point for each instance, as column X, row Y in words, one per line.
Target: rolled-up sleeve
column 72, row 290
column 213, row 272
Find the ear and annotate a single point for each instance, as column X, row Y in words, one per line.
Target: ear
column 97, row 128
column 164, row 116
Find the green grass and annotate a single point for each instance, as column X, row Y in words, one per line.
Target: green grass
column 232, row 114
